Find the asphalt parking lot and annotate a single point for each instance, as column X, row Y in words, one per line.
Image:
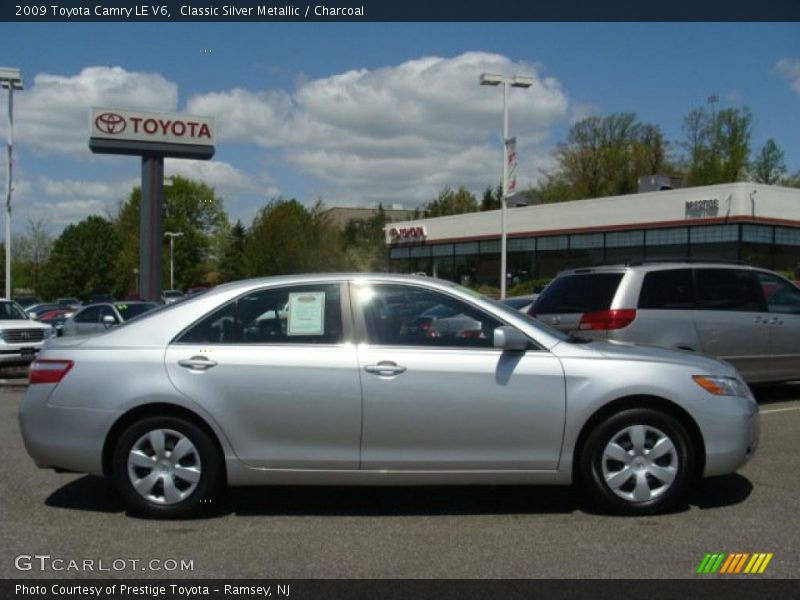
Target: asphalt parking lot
column 460, row 532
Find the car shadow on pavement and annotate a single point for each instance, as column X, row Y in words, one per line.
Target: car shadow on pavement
column 724, row 490
column 90, row 493
column 767, row 393
column 402, row 501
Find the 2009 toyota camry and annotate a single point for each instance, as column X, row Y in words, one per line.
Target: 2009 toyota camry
column 355, row 379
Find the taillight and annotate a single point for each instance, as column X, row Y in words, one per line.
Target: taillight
column 48, row 371
column 603, row 320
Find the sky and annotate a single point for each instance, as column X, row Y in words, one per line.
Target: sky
column 361, row 113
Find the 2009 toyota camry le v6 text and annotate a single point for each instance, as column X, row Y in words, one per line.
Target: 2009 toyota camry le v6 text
column 377, row 379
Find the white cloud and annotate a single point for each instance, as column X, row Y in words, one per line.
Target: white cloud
column 789, row 69
column 244, row 116
column 399, row 133
column 52, row 116
column 94, row 190
column 223, row 177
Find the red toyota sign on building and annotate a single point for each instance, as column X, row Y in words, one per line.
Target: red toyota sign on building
column 407, row 234
column 163, row 128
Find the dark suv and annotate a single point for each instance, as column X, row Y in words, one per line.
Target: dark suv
column 745, row 315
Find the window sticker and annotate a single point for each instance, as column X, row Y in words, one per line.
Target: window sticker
column 306, row 313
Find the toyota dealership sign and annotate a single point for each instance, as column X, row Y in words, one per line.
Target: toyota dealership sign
column 153, row 137
column 160, row 128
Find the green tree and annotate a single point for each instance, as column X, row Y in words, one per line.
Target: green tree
column 231, row 263
column 792, row 180
column 452, row 202
column 364, row 242
column 31, row 251
column 286, row 238
column 191, row 208
column 604, row 156
column 769, row 166
column 718, row 145
column 492, row 198
column 82, row 260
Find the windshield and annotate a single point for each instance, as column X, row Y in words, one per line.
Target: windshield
column 10, row 310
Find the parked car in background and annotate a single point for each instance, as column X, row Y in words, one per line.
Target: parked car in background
column 745, row 315
column 21, row 338
column 37, row 310
column 69, row 302
column 97, row 318
column 26, row 301
column 522, row 303
column 98, row 298
column 58, row 312
column 170, row 296
column 181, row 401
column 56, row 319
column 196, row 289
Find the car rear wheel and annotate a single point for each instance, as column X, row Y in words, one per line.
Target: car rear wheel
column 638, row 461
column 167, row 467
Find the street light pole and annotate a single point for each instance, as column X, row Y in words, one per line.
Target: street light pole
column 172, row 235
column 12, row 80
column 521, row 82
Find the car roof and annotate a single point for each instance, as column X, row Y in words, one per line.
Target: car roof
column 658, row 265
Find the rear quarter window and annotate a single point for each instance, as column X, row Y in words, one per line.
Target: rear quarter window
column 578, row 293
column 667, row 290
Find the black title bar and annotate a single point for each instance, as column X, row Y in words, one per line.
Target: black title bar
column 398, row 10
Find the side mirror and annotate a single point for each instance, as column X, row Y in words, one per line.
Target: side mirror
column 510, row 339
column 108, row 321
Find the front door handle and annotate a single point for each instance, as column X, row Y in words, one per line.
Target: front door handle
column 197, row 363
column 385, row 367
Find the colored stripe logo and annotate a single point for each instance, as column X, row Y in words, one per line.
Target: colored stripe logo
column 735, row 563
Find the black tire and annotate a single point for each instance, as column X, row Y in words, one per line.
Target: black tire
column 643, row 488
column 184, row 497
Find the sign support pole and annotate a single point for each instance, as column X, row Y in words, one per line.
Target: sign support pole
column 151, row 226
column 152, row 136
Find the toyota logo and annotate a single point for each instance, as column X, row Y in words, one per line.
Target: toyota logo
column 25, row 335
column 110, row 123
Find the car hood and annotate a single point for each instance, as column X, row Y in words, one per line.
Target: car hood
column 640, row 352
column 22, row 324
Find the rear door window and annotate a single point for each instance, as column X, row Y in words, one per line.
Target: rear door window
column 307, row 314
column 667, row 290
column 578, row 293
column 728, row 289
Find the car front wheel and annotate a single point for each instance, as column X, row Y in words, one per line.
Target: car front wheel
column 167, row 467
column 638, row 461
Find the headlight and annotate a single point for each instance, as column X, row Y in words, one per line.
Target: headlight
column 722, row 386
column 50, row 332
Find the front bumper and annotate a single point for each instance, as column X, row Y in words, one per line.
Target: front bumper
column 19, row 354
column 731, row 436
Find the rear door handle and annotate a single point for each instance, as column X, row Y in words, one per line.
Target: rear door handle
column 385, row 367
column 197, row 363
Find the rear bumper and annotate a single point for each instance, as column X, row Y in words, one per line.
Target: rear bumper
column 63, row 438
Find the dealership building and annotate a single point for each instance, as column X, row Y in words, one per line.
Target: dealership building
column 747, row 222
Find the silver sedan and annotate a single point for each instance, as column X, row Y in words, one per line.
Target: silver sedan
column 313, row 380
